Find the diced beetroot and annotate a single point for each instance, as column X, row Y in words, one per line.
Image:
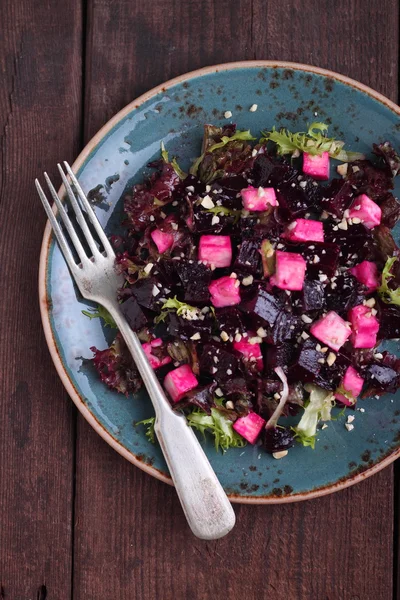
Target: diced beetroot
column 251, row 352
column 367, row 273
column 215, row 250
column 337, row 197
column 249, row 427
column 219, row 362
column 224, row 292
column 264, row 305
column 305, row 230
column 155, row 361
column 258, row 199
column 133, row 313
column 180, row 381
column 248, row 257
column 316, row 165
column 162, row 240
column 331, row 330
column 352, row 382
column 327, row 253
column 313, row 296
column 365, row 327
column 290, row 271
column 366, row 210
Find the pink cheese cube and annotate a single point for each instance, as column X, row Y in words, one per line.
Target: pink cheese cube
column 317, row 165
column 366, row 210
column 251, row 352
column 162, row 240
column 249, row 427
column 367, row 274
column 215, row 250
column 224, row 292
column 289, row 272
column 304, row 230
column 353, row 383
column 155, row 361
column 365, row 327
column 179, row 382
column 331, row 330
column 258, row 199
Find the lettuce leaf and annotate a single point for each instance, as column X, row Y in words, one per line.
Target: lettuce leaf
column 116, row 367
column 100, row 313
column 239, row 135
column 226, row 212
column 318, row 409
column 217, row 425
column 313, row 141
column 149, row 424
column 268, row 258
column 165, row 156
column 182, row 310
column 164, row 153
column 385, row 292
column 236, row 137
column 181, row 174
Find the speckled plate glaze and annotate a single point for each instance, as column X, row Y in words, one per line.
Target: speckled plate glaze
column 287, row 94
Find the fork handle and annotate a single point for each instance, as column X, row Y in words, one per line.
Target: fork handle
column 205, row 504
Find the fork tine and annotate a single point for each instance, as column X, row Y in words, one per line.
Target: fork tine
column 79, row 214
column 56, row 228
column 66, row 220
column 91, row 214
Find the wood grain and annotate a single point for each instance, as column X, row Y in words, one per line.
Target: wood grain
column 336, row 35
column 131, row 540
column 40, row 112
column 396, row 527
column 132, row 48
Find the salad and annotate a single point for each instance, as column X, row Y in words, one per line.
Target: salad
column 260, row 288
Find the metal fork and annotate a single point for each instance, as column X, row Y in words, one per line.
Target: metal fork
column 205, row 504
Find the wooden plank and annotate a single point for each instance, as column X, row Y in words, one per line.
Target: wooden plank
column 40, row 112
column 131, row 539
column 333, row 35
column 341, row 38
column 396, row 537
column 132, row 48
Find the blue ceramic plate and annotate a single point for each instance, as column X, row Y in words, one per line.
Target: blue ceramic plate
column 288, row 95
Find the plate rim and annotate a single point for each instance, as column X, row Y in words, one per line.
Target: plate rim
column 45, row 253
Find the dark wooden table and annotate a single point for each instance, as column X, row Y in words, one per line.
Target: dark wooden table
column 76, row 520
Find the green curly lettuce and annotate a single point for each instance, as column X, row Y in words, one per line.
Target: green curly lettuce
column 243, row 136
column 149, row 424
column 318, row 409
column 100, row 313
column 165, row 156
column 182, row 310
column 313, row 141
column 385, row 292
column 237, row 136
column 226, row 212
column 217, row 425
